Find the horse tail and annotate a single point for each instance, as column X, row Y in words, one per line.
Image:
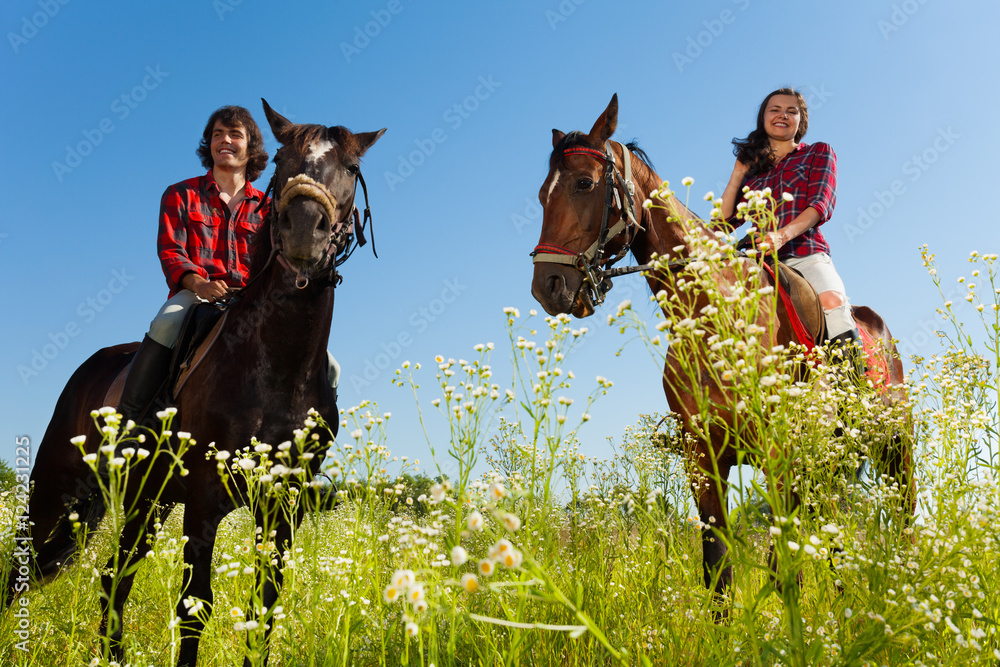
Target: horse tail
column 62, row 484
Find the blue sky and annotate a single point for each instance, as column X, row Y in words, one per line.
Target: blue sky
column 104, row 108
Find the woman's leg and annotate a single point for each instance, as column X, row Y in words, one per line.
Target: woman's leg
column 841, row 329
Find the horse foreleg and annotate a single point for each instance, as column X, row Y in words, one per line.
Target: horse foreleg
column 899, row 466
column 710, row 494
column 200, row 526
column 118, row 583
column 270, row 577
column 790, row 503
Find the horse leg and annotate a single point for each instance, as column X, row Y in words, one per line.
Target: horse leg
column 791, row 503
column 116, row 592
column 710, row 495
column 200, row 526
column 899, row 466
column 270, row 577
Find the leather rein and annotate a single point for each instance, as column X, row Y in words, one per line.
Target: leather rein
column 619, row 195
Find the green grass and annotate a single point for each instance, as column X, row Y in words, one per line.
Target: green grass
column 596, row 562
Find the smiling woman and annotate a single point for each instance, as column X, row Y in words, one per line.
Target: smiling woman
column 804, row 178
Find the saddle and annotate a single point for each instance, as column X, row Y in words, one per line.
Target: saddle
column 200, row 330
column 805, row 302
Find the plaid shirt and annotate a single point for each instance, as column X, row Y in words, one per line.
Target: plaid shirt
column 809, row 174
column 198, row 234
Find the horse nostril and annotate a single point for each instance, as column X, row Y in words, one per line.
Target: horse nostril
column 554, row 284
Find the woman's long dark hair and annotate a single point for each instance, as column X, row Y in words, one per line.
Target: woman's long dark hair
column 755, row 150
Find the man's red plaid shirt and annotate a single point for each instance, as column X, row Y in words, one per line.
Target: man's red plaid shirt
column 198, row 234
column 809, row 174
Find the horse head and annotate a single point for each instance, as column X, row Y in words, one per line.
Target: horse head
column 588, row 218
column 315, row 178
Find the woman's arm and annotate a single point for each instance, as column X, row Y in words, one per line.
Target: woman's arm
column 732, row 194
column 803, row 221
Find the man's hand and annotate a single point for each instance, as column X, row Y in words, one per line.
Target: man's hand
column 206, row 290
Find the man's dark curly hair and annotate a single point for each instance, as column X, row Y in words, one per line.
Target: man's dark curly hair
column 234, row 116
column 755, row 150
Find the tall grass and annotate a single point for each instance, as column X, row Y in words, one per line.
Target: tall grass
column 550, row 557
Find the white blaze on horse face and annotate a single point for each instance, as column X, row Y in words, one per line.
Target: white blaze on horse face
column 555, row 180
column 318, row 149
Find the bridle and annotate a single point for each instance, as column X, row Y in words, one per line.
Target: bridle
column 619, row 194
column 341, row 232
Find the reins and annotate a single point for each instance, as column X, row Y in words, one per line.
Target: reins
column 619, row 191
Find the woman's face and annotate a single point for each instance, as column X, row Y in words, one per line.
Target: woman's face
column 781, row 117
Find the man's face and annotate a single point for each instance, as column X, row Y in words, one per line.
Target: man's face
column 229, row 147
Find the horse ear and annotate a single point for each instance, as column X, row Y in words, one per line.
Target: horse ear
column 366, row 139
column 606, row 124
column 557, row 136
column 279, row 124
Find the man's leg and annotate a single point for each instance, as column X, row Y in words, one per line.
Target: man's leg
column 152, row 360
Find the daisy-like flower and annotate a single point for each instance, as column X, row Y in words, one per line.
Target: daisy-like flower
column 474, row 522
column 487, row 567
column 470, row 582
column 497, row 491
column 511, row 522
column 403, row 579
column 459, row 555
column 415, row 594
column 687, row 181
column 391, row 593
column 412, row 629
column 437, row 493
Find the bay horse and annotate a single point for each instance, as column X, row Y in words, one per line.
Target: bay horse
column 266, row 372
column 590, row 222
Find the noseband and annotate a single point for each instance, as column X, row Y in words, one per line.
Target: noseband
column 341, row 232
column 619, row 192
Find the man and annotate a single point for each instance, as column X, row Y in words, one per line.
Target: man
column 207, row 226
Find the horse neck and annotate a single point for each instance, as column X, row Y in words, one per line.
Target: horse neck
column 663, row 228
column 284, row 323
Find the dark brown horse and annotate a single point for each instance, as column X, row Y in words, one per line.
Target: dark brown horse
column 589, row 223
column 260, row 380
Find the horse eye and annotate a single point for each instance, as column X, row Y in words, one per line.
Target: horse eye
column 584, row 184
column 352, row 169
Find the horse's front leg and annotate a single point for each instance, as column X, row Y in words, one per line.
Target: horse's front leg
column 117, row 582
column 201, row 525
column 270, row 575
column 790, row 501
column 710, row 494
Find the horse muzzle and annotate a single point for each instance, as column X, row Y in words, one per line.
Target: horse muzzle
column 560, row 289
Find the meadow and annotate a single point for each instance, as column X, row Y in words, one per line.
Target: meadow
column 550, row 557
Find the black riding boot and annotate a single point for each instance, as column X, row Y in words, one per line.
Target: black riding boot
column 849, row 343
column 148, row 372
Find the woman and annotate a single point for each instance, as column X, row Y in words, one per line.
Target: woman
column 774, row 156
